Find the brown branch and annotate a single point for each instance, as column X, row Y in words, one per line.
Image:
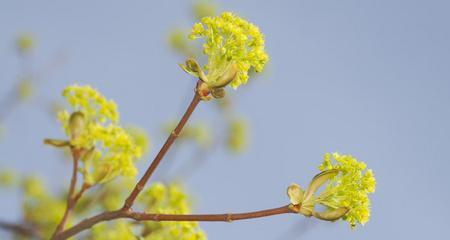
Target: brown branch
column 71, row 201
column 20, row 228
column 226, row 217
column 173, row 135
column 122, row 213
column 83, row 189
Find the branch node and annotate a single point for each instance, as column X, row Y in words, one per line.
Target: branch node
column 229, row 217
column 175, row 134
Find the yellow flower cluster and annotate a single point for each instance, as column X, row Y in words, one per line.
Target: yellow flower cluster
column 7, row 178
column 25, row 43
column 37, row 200
column 237, row 135
column 24, row 90
column 233, row 46
column 178, row 42
column 93, row 127
column 157, row 198
column 116, row 230
column 170, row 199
column 139, row 137
column 203, row 8
column 349, row 189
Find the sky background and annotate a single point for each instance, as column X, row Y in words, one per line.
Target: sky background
column 369, row 78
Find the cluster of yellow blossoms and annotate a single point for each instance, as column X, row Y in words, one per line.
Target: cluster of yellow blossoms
column 203, row 8
column 346, row 194
column 25, row 42
column 233, row 46
column 350, row 189
column 170, row 199
column 158, row 198
column 237, row 138
column 38, row 200
column 93, row 127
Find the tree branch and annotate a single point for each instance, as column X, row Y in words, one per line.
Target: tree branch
column 19, row 228
column 173, row 135
column 123, row 213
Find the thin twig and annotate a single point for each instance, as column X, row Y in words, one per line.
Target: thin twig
column 20, row 228
column 71, row 201
column 83, row 189
column 173, row 135
column 122, row 213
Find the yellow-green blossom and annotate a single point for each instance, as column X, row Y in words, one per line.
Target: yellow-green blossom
column 24, row 42
column 139, row 137
column 37, row 200
column 237, row 135
column 349, row 189
column 178, row 42
column 203, row 8
column 116, row 230
column 233, row 46
column 93, row 127
column 169, row 199
column 346, row 194
column 7, row 178
column 24, row 89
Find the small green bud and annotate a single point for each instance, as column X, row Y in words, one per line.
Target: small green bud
column 76, row 124
column 192, row 65
column 203, row 90
column 218, row 92
column 193, row 68
column 295, row 194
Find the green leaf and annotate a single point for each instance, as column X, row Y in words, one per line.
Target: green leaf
column 57, row 143
column 318, row 181
column 295, row 194
column 187, row 70
column 331, row 215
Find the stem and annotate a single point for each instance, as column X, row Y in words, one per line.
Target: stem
column 123, row 213
column 22, row 229
column 83, row 189
column 226, row 217
column 71, row 201
column 173, row 135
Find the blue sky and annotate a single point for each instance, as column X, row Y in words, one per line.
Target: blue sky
column 370, row 78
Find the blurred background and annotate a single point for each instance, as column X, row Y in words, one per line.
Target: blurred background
column 367, row 78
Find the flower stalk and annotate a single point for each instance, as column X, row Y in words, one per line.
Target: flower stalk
column 162, row 152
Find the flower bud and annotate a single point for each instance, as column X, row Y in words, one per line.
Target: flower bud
column 203, row 90
column 76, row 124
column 218, row 92
column 295, row 194
column 194, row 69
